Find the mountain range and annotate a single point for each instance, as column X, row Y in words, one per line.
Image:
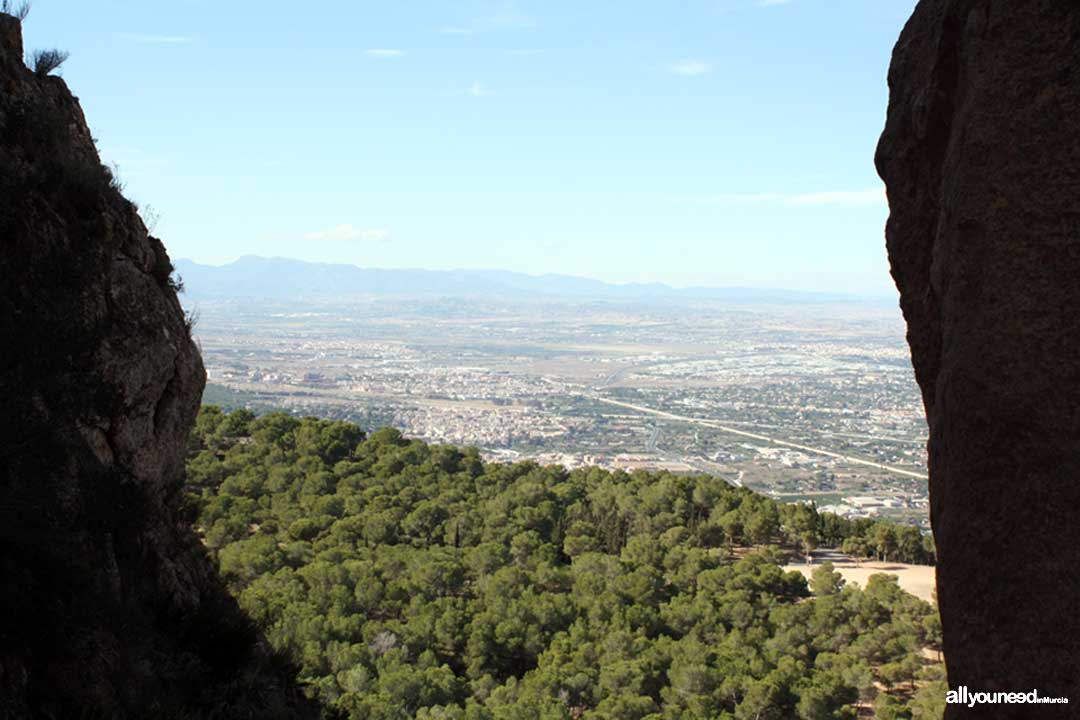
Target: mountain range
column 276, row 278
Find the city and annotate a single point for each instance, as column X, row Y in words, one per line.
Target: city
column 802, row 401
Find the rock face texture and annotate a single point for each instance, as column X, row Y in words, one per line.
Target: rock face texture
column 981, row 157
column 110, row 607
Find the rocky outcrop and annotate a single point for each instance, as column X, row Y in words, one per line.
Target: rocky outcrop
column 981, row 157
column 110, row 607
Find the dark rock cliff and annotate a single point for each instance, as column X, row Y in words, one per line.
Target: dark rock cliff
column 981, row 156
column 110, row 607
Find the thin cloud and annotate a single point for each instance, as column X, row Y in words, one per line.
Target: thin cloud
column 689, row 67
column 847, row 198
column 455, row 30
column 348, row 233
column 157, row 39
column 874, row 196
column 525, row 53
column 478, row 89
column 772, row 3
column 384, row 53
column 512, row 20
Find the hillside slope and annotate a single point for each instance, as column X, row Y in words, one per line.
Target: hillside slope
column 414, row 580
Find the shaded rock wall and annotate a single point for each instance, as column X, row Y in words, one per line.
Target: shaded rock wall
column 981, row 157
column 110, row 607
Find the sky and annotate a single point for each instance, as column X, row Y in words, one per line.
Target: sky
column 698, row 142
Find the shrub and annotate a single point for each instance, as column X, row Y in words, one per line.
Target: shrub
column 19, row 11
column 112, row 173
column 45, row 61
column 176, row 283
column 150, row 217
column 191, row 319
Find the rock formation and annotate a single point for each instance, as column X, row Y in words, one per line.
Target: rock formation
column 110, row 607
column 981, row 157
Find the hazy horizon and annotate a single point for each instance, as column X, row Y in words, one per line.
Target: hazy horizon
column 884, row 296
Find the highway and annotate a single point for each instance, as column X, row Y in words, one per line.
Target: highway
column 762, row 438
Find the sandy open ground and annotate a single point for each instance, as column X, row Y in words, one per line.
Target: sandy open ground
column 919, row 580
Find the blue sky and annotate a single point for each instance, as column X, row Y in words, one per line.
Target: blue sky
column 718, row 142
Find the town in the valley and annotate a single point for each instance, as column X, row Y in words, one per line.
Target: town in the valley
column 803, row 401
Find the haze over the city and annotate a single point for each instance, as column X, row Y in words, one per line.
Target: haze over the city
column 721, row 143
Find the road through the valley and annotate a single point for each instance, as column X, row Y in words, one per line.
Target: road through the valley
column 762, row 438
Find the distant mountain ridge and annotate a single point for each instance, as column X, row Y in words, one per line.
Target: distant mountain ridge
column 253, row 276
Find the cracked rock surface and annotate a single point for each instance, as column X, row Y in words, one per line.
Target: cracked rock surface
column 110, row 607
column 981, row 158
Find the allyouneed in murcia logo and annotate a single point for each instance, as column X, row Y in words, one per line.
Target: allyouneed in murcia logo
column 963, row 696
